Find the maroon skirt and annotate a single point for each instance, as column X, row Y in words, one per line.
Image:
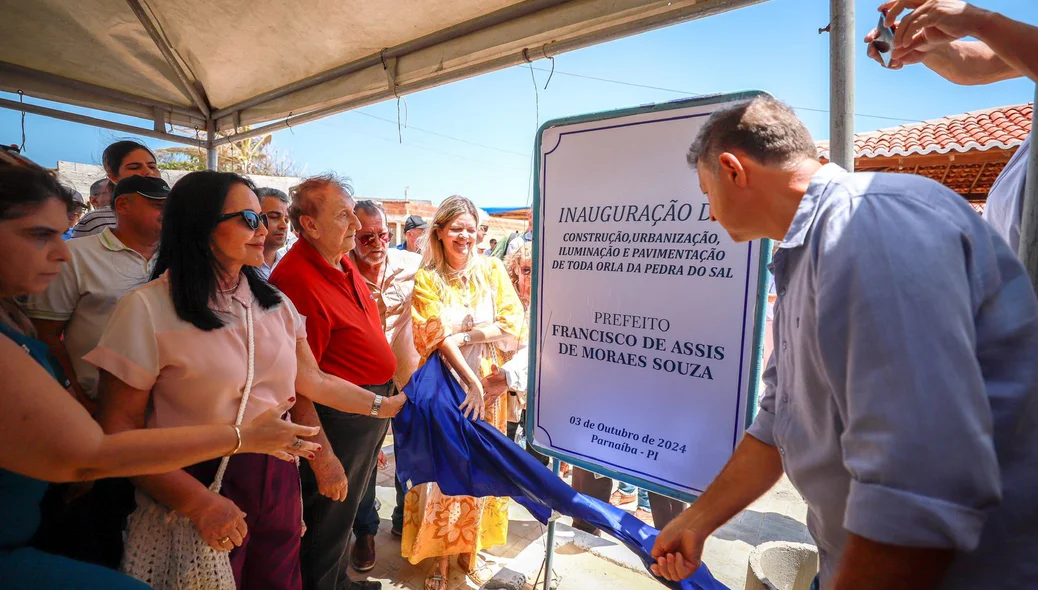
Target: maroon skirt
column 267, row 491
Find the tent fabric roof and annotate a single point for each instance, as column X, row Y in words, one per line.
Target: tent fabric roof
column 995, row 128
column 250, row 62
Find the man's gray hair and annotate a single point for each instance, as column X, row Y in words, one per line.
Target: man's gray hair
column 303, row 200
column 267, row 191
column 100, row 186
column 763, row 128
column 369, row 207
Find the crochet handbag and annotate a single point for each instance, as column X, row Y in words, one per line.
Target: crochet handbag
column 163, row 548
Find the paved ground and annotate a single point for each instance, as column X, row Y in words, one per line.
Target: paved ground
column 583, row 561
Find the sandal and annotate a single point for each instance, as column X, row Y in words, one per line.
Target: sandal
column 480, row 573
column 435, row 582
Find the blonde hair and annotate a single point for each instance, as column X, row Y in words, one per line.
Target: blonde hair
column 434, row 259
column 514, row 262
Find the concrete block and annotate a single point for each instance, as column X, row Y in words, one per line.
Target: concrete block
column 782, row 566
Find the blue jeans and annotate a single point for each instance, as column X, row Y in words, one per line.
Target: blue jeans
column 643, row 495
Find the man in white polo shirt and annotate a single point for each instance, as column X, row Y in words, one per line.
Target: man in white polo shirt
column 72, row 313
column 79, row 521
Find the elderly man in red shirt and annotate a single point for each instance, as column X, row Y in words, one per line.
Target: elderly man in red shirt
column 344, row 330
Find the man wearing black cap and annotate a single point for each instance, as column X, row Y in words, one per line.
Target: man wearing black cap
column 414, row 229
column 70, row 317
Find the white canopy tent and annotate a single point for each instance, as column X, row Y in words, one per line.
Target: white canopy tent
column 219, row 65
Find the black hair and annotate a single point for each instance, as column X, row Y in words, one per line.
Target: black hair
column 188, row 221
column 24, row 189
column 113, row 156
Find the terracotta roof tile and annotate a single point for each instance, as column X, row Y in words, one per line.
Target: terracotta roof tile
column 999, row 127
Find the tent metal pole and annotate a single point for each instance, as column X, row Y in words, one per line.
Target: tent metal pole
column 85, row 120
column 549, row 555
column 841, row 83
column 167, row 53
column 99, row 91
column 212, row 161
column 1028, row 248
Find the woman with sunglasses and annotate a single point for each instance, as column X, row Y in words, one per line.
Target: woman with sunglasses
column 45, row 435
column 178, row 351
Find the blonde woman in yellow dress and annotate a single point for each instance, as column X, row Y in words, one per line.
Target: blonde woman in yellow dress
column 465, row 307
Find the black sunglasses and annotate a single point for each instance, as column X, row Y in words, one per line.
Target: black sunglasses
column 252, row 219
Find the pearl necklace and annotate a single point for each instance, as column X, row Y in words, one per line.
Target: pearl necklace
column 232, row 289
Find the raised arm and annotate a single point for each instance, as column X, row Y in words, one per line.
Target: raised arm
column 969, row 63
column 931, row 34
column 45, row 434
column 329, row 390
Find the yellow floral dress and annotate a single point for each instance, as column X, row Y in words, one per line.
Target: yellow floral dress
column 436, row 525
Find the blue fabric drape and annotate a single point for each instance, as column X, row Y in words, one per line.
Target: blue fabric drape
column 433, row 442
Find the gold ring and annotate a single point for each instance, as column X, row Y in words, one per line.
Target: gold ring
column 298, row 443
column 225, row 540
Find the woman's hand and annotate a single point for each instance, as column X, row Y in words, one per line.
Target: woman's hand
column 219, row 521
column 271, row 435
column 494, row 386
column 472, row 407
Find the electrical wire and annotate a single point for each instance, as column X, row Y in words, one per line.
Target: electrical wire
column 445, row 136
column 698, row 94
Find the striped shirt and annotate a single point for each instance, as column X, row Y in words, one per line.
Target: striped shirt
column 93, row 222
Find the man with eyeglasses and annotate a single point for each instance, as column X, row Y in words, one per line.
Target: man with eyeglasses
column 274, row 204
column 389, row 274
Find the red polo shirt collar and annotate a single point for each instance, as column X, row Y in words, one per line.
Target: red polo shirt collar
column 342, row 276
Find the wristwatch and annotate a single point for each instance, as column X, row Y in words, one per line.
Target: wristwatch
column 466, row 338
column 376, row 405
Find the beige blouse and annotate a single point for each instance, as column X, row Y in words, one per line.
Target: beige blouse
column 198, row 377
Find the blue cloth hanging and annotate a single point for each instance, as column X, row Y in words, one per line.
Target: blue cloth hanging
column 433, row 442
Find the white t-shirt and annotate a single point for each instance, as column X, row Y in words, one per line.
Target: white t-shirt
column 1005, row 205
column 101, row 270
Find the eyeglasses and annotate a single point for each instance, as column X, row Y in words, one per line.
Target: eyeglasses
column 526, row 270
column 252, row 219
column 484, row 227
column 369, row 239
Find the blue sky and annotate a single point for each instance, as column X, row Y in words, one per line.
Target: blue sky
column 774, row 46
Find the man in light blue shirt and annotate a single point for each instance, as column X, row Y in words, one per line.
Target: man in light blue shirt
column 902, row 396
